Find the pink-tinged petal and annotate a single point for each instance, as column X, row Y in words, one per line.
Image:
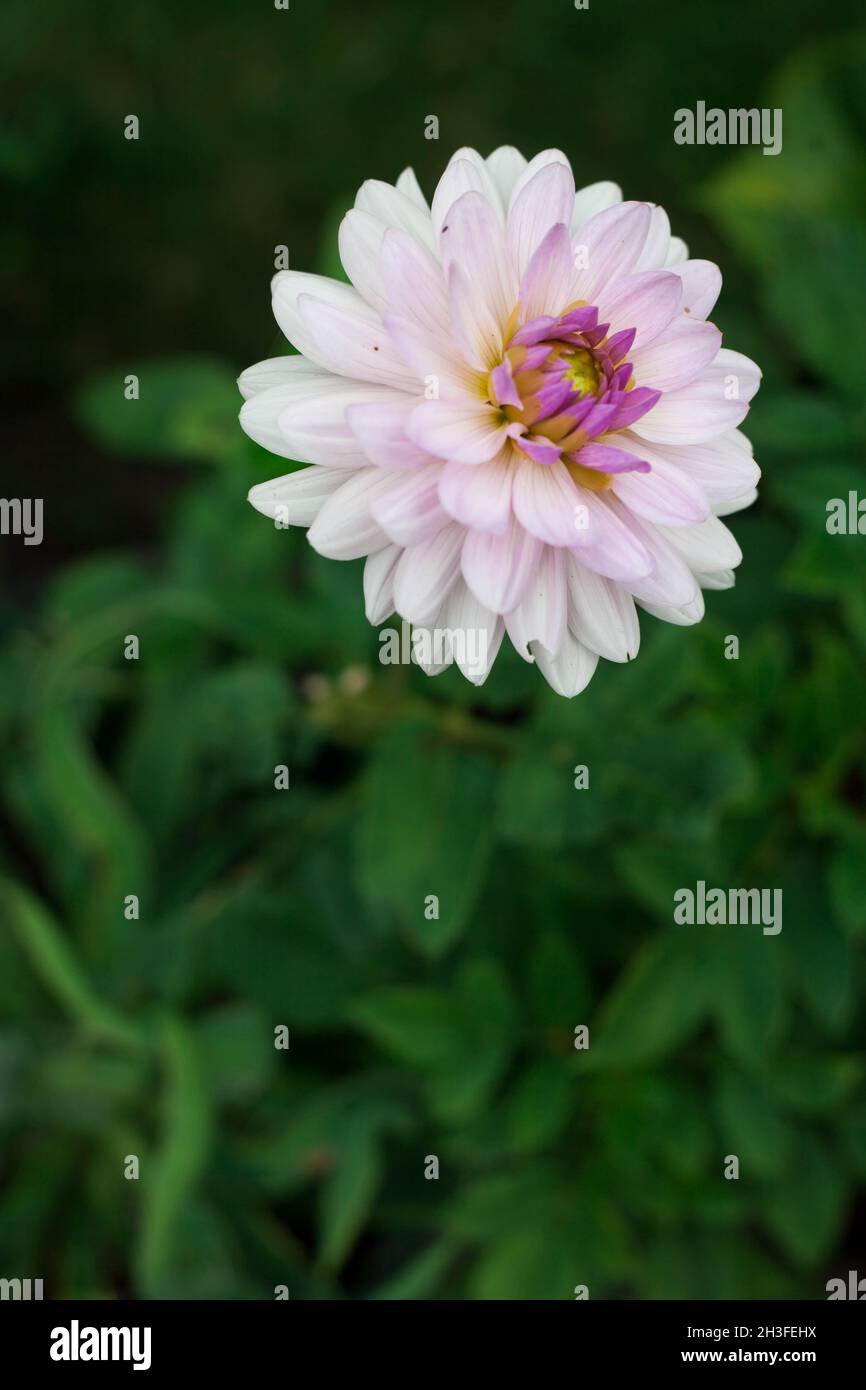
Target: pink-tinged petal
column 646, row 302
column 498, row 569
column 304, row 418
column 380, row 429
column 620, row 345
column 636, row 404
column 540, row 616
column 666, row 495
column 702, row 283
column 618, row 550
column 601, row 613
column 608, row 459
column 354, row 344
column 706, row 547
column 425, row 574
column 479, row 495
column 685, row 616
column 594, row 198
column 297, row 498
column 548, row 504
column 466, row 173
column 345, row 528
column 607, row 247
column 723, row 469
column 547, row 280
column 505, row 167
column 658, row 240
column 379, row 583
column 570, row 670
column 434, row 359
column 395, row 209
column 287, row 288
column 411, row 512
column 695, row 413
column 474, row 633
column 546, row 199
column 414, row 283
column 538, row 448
column 504, row 390
column 677, row 355
column 466, row 433
column 360, row 243
column 473, row 240
column 474, row 326
column 408, row 185
column 276, row 371
column 536, row 164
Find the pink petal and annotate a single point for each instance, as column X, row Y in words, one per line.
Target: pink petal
column 544, row 200
column 594, row 198
column 702, row 283
column 609, row 244
column 466, row 173
column 498, row 569
column 464, row 432
column 678, row 355
column 473, row 240
column 380, row 429
column 410, row 512
column 618, row 551
column 547, row 280
column 433, row 357
column 647, row 302
column 474, row 325
column 723, row 468
column 546, row 502
column 479, row 495
column 666, row 495
column 414, row 283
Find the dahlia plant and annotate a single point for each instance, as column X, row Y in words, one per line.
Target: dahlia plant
column 517, row 411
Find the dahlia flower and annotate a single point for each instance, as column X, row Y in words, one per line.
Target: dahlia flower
column 517, row 411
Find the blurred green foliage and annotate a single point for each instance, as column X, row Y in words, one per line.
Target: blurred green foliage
column 451, row 1037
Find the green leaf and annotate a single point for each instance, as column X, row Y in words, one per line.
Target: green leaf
column 187, row 407
column 658, row 1001
column 425, row 831
column 347, row 1197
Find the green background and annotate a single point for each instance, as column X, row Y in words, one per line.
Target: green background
column 305, row 908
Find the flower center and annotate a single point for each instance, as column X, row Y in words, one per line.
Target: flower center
column 581, row 371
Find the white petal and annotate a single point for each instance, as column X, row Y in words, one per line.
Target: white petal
column 396, row 209
column 505, row 166
column 354, row 343
column 466, row 173
column 360, row 242
column 379, row 583
column 723, row 468
column 658, row 240
column 297, row 498
column 425, row 574
column 473, row 633
column 540, row 615
column 408, row 184
column 601, row 613
column 595, row 197
column 274, row 371
column 286, row 289
column 479, row 494
column 411, row 512
column 571, row 670
column 345, row 529
column 706, row 547
column 686, row 615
